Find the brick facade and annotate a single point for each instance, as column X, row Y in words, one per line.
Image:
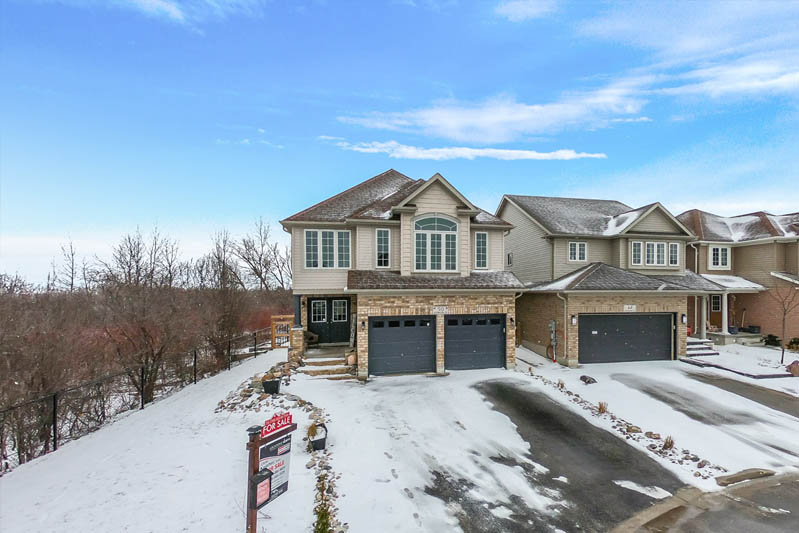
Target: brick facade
column 374, row 305
column 764, row 311
column 536, row 310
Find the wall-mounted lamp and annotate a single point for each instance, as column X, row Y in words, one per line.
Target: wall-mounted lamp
column 363, row 324
column 511, row 321
column 574, row 320
column 684, row 318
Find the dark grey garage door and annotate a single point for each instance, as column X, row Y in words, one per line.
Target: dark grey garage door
column 401, row 344
column 612, row 338
column 474, row 341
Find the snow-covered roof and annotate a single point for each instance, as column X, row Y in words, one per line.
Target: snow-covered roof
column 786, row 276
column 733, row 282
column 603, row 277
column 372, row 200
column 741, row 228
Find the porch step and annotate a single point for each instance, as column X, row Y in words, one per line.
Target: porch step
column 699, row 347
column 330, row 361
column 338, row 377
column 702, row 352
column 327, row 370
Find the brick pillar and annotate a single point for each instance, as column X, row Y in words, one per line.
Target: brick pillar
column 297, row 348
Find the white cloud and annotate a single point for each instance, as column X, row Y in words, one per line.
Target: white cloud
column 402, row 151
column 188, row 12
column 631, row 119
column 521, row 10
column 503, row 118
column 249, row 142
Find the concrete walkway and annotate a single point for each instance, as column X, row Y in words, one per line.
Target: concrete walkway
column 763, row 505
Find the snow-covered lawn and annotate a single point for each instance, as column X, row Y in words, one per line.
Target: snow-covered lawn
column 724, row 428
column 175, row 466
column 754, row 360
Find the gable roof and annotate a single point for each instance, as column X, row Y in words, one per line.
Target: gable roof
column 374, row 198
column 740, row 228
column 637, row 215
column 437, row 178
column 603, row 277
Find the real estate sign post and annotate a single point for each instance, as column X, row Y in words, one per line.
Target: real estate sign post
column 269, row 449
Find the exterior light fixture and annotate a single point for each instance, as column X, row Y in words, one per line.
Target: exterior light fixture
column 574, row 320
column 363, row 324
column 684, row 318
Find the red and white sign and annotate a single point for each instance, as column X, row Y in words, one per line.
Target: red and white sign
column 276, row 423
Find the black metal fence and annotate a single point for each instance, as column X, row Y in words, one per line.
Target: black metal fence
column 40, row 425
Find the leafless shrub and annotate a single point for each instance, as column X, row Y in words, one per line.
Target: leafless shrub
column 668, row 443
column 603, row 408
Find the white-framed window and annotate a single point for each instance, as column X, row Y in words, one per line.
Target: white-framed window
column 383, row 248
column 660, row 254
column 339, row 310
column 318, row 311
column 637, row 253
column 578, row 252
column 481, row 249
column 674, row 254
column 327, row 248
column 718, row 258
column 435, row 244
column 509, row 259
column 715, row 303
column 650, row 253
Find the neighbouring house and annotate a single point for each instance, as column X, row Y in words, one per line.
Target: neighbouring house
column 409, row 272
column 755, row 258
column 604, row 282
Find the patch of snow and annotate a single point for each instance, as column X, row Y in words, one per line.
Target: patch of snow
column 732, row 282
column 755, row 360
column 766, row 440
column 786, row 277
column 560, row 284
column 619, row 223
column 563, row 479
column 501, row 512
column 653, row 492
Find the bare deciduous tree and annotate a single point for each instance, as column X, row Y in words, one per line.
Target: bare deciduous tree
column 267, row 266
column 786, row 295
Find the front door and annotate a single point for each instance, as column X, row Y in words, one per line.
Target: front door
column 329, row 318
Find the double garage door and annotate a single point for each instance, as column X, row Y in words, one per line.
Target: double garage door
column 407, row 344
column 611, row 338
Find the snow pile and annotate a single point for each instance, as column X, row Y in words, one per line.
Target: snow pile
column 617, row 224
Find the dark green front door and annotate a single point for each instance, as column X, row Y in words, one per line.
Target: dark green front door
column 329, row 318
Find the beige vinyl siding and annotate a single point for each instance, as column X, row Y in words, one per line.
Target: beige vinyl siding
column 366, row 250
column 314, row 279
column 756, row 262
column 406, row 242
column 465, row 245
column 436, row 199
column 792, row 258
column 655, row 222
column 396, row 248
column 532, row 252
column 495, row 248
column 599, row 250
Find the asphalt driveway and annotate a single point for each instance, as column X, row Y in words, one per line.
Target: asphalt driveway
column 581, row 461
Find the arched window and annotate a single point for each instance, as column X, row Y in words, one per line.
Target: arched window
column 435, row 244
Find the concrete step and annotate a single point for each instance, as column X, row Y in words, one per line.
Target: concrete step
column 704, row 352
column 326, row 370
column 328, row 361
column 338, row 377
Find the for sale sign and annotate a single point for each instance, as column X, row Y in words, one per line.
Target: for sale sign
column 275, row 456
column 276, row 423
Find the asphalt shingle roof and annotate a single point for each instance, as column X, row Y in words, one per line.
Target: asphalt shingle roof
column 602, row 277
column 741, row 228
column 373, row 200
column 578, row 216
column 392, row 280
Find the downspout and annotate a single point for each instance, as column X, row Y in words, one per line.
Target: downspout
column 565, row 327
column 701, row 299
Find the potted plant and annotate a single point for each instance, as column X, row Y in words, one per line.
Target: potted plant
column 317, row 436
column 271, row 383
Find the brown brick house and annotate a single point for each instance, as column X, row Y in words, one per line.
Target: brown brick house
column 409, row 272
column 604, row 282
column 754, row 257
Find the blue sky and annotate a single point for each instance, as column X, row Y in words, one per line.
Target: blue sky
column 197, row 115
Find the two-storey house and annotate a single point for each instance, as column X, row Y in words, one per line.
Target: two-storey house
column 604, row 282
column 408, row 271
column 755, row 260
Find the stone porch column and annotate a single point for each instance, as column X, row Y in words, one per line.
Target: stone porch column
column 724, row 315
column 703, row 318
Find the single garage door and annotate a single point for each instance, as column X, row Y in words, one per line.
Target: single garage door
column 610, row 338
column 474, row 341
column 400, row 344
